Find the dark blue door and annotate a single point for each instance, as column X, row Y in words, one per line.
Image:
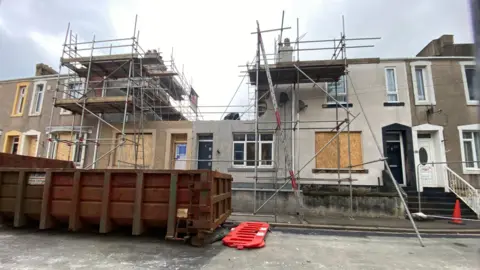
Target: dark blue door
column 205, row 145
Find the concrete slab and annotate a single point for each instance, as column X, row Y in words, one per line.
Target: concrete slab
column 21, row 249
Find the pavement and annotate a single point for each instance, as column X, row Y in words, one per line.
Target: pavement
column 362, row 223
column 30, row 249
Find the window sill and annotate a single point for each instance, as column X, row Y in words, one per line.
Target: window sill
column 16, row 115
column 394, row 104
column 473, row 103
column 35, row 114
column 339, row 171
column 471, row 171
column 250, row 169
column 336, row 105
column 424, row 103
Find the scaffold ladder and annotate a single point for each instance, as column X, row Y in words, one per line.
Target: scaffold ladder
column 288, row 157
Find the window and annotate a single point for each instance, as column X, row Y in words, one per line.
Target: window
column 125, row 155
column 470, row 147
column 244, row 150
column 37, row 98
column 422, row 83
column 337, row 90
column 20, row 97
column 29, row 143
column 328, row 158
column 14, row 145
column 12, row 142
column 78, row 149
column 62, row 147
column 73, row 89
column 468, row 74
column 419, row 73
column 391, row 79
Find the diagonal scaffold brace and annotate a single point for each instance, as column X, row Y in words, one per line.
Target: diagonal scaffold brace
column 288, row 157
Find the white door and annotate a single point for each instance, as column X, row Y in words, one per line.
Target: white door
column 180, row 156
column 426, row 173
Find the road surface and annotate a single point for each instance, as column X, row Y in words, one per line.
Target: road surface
column 24, row 249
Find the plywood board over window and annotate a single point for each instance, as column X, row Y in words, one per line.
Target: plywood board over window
column 64, row 149
column 32, row 146
column 328, row 158
column 125, row 155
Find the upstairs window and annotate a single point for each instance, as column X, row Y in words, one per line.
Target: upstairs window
column 468, row 73
column 19, row 101
column 420, row 75
column 337, row 90
column 37, row 99
column 391, row 81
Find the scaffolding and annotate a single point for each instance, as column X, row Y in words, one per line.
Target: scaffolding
column 266, row 77
column 116, row 83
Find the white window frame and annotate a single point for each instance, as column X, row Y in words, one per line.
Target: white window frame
column 427, row 82
column 66, row 84
column 467, row 128
column 52, row 147
column 396, row 85
column 343, row 94
column 464, row 65
column 32, row 111
column 23, row 139
column 83, row 146
column 257, row 156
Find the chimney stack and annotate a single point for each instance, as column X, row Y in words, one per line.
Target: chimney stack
column 285, row 52
column 43, row 69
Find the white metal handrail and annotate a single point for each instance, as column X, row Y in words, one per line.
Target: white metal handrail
column 466, row 192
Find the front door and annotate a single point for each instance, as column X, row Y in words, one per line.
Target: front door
column 394, row 155
column 180, row 156
column 205, row 145
column 426, row 173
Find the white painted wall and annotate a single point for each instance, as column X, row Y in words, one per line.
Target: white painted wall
column 370, row 85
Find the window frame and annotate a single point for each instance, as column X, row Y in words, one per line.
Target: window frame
column 24, row 139
column 464, row 65
column 66, row 84
column 15, row 112
column 387, row 93
column 257, row 155
column 461, row 130
column 53, row 145
column 427, row 83
column 343, row 94
column 32, row 111
column 10, row 151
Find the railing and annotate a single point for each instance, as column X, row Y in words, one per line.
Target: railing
column 466, row 192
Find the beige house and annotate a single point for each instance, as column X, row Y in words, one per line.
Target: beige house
column 31, row 125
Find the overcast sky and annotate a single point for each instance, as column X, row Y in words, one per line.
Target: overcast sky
column 212, row 38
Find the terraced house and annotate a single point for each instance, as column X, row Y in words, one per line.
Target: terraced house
column 445, row 124
column 31, row 125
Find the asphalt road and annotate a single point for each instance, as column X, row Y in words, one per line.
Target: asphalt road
column 25, row 249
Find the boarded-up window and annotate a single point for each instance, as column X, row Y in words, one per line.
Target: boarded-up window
column 32, row 145
column 328, row 158
column 125, row 155
column 64, row 146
